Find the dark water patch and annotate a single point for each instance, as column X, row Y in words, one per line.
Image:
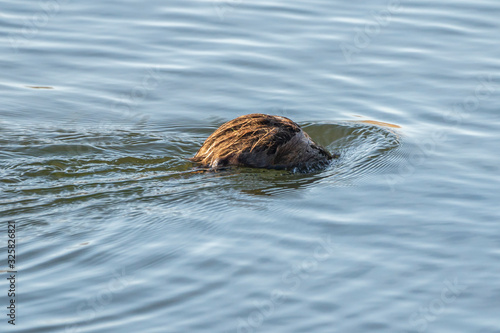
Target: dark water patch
column 65, row 176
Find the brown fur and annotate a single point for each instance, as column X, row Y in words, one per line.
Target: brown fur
column 261, row 141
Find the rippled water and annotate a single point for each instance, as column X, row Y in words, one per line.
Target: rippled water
column 103, row 103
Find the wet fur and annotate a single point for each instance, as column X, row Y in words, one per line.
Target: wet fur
column 261, row 141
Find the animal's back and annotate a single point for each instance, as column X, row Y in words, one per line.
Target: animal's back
column 261, row 141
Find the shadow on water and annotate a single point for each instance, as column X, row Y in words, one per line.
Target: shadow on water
column 53, row 168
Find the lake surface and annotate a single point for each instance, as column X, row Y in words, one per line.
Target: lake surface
column 101, row 104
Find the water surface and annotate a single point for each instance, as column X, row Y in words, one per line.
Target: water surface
column 103, row 103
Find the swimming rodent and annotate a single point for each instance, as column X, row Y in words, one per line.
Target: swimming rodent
column 262, row 141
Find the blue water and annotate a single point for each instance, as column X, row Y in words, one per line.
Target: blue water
column 101, row 104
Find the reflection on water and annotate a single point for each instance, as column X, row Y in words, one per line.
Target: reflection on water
column 380, row 123
column 37, row 87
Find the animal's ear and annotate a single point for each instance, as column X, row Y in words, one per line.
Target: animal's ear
column 220, row 162
column 214, row 164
